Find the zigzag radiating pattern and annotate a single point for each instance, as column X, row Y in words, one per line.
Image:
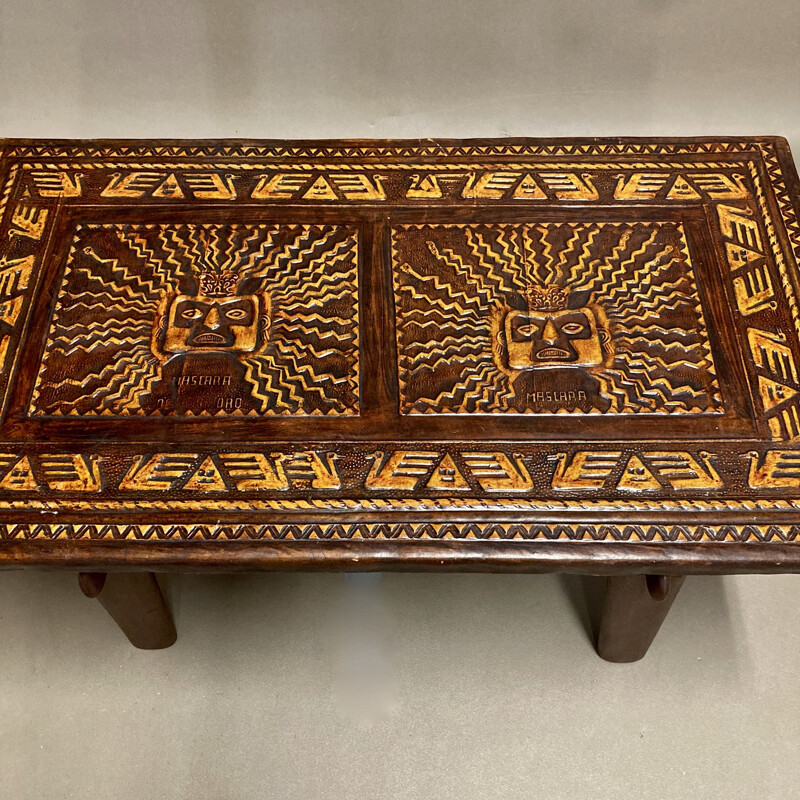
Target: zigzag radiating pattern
column 451, row 279
column 101, row 357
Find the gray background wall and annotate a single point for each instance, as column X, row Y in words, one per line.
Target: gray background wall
column 398, row 686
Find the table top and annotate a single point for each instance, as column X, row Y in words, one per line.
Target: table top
column 480, row 354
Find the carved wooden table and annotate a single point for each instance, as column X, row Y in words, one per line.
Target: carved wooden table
column 515, row 355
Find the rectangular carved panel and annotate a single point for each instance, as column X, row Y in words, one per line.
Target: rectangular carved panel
column 204, row 319
column 547, row 317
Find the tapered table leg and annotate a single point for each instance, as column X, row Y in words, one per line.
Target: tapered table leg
column 633, row 610
column 135, row 602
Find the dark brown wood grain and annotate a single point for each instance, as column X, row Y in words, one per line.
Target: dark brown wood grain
column 134, row 601
column 596, row 558
column 634, row 608
column 513, row 354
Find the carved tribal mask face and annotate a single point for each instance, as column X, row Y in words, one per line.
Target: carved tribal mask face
column 566, row 338
column 557, row 330
column 213, row 323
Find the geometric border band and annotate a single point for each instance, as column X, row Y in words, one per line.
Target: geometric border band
column 406, row 531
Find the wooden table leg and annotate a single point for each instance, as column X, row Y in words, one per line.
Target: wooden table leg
column 135, row 602
column 633, row 610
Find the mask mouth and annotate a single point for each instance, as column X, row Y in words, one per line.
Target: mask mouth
column 209, row 338
column 553, row 354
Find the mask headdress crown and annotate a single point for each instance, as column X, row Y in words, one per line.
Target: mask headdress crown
column 218, row 284
column 214, row 279
column 546, row 298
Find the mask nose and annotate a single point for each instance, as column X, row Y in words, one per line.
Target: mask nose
column 550, row 334
column 212, row 319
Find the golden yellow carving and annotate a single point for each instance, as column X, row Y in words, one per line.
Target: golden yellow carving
column 682, row 190
column 607, row 152
column 424, row 187
column 528, row 189
column 447, row 477
column 433, row 503
column 538, row 337
column 770, row 351
column 593, row 531
column 719, row 186
column 320, row 190
column 10, row 310
column 636, row 477
column 640, row 185
column 647, row 185
column 570, row 185
column 255, row 472
column 683, row 471
column 131, row 184
column 19, row 476
column 489, row 185
column 71, row 472
column 5, row 341
column 211, row 185
column 57, row 184
column 786, row 425
column 739, row 226
column 309, row 467
column 29, row 221
column 14, row 277
column 9, row 313
column 203, row 185
column 586, row 470
column 591, row 470
column 403, row 469
column 206, row 478
column 739, row 256
column 496, row 472
column 536, row 318
column 780, row 469
column 280, row 186
column 169, row 188
column 750, row 299
column 358, row 186
column 211, row 319
column 158, row 472
column 773, row 393
column 754, row 291
column 15, row 274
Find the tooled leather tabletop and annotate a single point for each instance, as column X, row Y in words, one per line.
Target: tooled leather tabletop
column 487, row 345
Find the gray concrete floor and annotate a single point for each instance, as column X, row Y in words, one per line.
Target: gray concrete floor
column 467, row 687
column 398, row 686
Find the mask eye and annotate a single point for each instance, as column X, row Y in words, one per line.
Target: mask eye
column 191, row 313
column 236, row 313
column 572, row 328
column 526, row 330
